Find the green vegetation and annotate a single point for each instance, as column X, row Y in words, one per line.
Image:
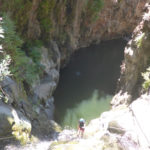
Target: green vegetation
column 139, row 40
column 12, row 41
column 96, row 5
column 93, row 9
column 19, row 10
column 48, row 13
column 23, row 68
column 15, row 62
column 146, row 77
column 20, row 135
column 20, row 130
column 45, row 16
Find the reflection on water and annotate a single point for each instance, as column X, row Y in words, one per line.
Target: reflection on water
column 95, row 67
column 87, row 109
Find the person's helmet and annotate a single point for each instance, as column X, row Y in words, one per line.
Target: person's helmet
column 82, row 120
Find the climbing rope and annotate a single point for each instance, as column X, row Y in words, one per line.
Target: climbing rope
column 130, row 108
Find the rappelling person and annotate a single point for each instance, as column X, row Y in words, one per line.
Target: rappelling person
column 81, row 127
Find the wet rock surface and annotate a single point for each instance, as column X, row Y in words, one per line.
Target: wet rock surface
column 123, row 128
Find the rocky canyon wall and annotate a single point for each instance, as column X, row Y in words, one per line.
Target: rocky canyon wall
column 74, row 23
column 134, row 79
column 59, row 27
column 126, row 125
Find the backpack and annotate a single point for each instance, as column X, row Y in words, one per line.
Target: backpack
column 81, row 122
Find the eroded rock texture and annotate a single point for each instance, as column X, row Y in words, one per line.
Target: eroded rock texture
column 136, row 61
column 64, row 26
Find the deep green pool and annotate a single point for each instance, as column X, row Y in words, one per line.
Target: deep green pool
column 88, row 82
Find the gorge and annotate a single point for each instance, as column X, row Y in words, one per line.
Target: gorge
column 38, row 38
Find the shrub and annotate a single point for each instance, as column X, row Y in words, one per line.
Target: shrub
column 22, row 66
column 19, row 10
column 12, row 41
column 44, row 16
column 35, row 54
column 93, row 8
column 33, row 50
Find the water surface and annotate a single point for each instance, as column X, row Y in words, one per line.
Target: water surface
column 88, row 81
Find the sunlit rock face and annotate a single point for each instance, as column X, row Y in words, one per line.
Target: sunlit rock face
column 123, row 128
column 14, row 123
column 136, row 61
column 131, row 125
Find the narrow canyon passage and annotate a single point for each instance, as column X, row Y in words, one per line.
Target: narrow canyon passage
column 88, row 81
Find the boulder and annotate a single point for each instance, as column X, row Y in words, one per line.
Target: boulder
column 14, row 123
column 49, row 108
column 43, row 126
column 10, row 87
column 131, row 124
column 67, row 135
column 12, row 91
column 45, row 90
column 46, row 60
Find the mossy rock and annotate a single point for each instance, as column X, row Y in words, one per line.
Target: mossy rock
column 56, row 127
column 13, row 123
